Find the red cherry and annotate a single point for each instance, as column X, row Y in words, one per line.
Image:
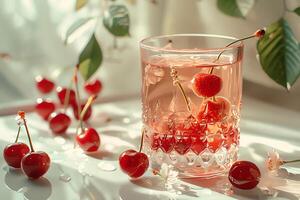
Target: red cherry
column 206, row 85
column 244, row 175
column 155, row 141
column 89, row 141
column 133, row 163
column 61, row 94
column 183, row 144
column 214, row 142
column 86, row 116
column 231, row 137
column 214, row 110
column 199, row 144
column 44, row 107
column 190, row 127
column 93, row 87
column 44, row 85
column 59, row 122
column 13, row 154
column 35, row 164
column 166, row 143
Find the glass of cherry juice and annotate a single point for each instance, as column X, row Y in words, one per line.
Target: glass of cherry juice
column 191, row 96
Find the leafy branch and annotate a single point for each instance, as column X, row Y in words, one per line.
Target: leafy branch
column 279, row 51
column 115, row 20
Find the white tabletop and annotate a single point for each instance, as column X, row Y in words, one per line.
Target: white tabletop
column 74, row 175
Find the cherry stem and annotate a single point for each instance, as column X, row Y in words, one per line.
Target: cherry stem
column 85, row 108
column 142, row 142
column 75, row 79
column 290, row 161
column 174, row 75
column 28, row 135
column 67, row 97
column 18, row 134
column 231, row 43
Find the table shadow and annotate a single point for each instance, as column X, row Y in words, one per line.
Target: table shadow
column 39, row 189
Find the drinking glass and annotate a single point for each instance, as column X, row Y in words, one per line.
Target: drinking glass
column 183, row 125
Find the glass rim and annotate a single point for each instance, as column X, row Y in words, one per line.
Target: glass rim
column 162, row 49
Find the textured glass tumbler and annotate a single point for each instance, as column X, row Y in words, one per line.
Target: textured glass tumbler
column 191, row 96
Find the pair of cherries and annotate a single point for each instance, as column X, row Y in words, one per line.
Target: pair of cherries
column 34, row 164
column 207, row 86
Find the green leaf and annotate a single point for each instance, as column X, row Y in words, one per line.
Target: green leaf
column 235, row 8
column 297, row 11
column 116, row 20
column 74, row 27
column 80, row 4
column 90, row 58
column 279, row 54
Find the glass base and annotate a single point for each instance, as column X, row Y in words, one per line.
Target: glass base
column 190, row 165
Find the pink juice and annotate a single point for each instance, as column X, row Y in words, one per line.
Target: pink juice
column 197, row 135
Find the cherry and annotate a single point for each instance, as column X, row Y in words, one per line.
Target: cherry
column 199, row 144
column 214, row 142
column 13, row 154
column 61, row 93
column 133, row 163
column 35, row 164
column 231, row 137
column 244, row 175
column 189, row 126
column 206, row 85
column 59, row 122
column 44, row 107
column 44, row 85
column 89, row 141
column 86, row 116
column 182, row 144
column 214, row 110
column 93, row 87
column 166, row 143
column 155, row 141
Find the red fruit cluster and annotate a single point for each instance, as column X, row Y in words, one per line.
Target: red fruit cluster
column 34, row 164
column 192, row 135
column 59, row 122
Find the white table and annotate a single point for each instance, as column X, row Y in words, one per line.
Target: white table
column 74, row 175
